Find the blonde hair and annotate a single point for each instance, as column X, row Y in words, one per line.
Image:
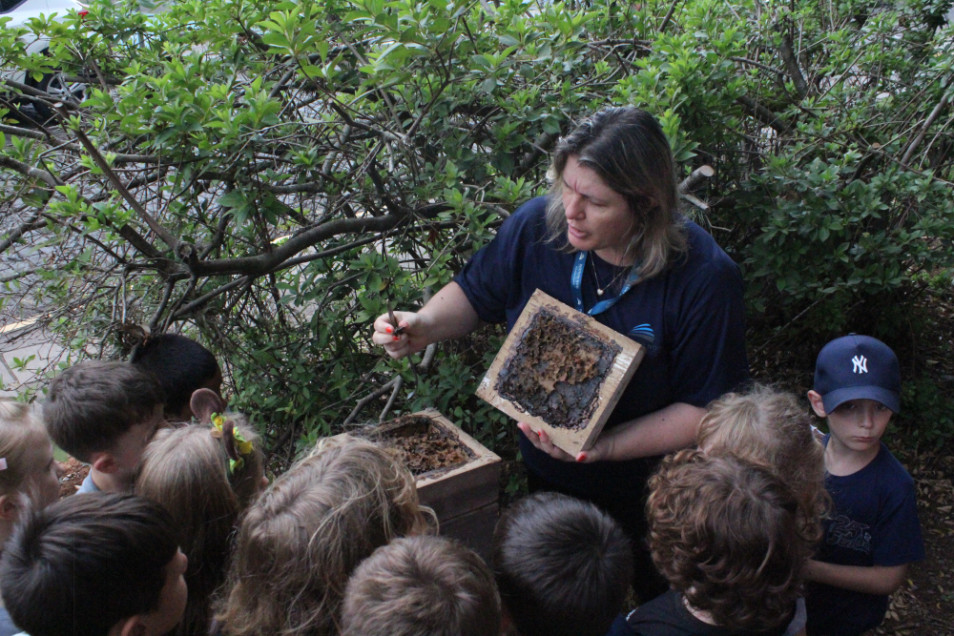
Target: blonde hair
column 300, row 541
column 20, row 430
column 627, row 148
column 186, row 470
column 769, row 428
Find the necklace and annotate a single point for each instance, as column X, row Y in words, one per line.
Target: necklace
column 600, row 290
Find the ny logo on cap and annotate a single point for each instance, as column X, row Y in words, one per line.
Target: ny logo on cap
column 860, row 364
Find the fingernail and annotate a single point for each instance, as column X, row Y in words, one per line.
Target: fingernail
column 389, row 328
column 396, row 338
column 581, row 457
column 537, row 433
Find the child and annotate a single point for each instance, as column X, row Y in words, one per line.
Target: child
column 421, row 586
column 205, row 475
column 93, row 565
column 562, row 565
column 181, row 365
column 300, row 541
column 725, row 533
column 104, row 414
column 29, row 476
column 873, row 532
column 771, row 429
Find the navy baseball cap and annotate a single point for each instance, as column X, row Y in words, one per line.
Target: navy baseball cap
column 857, row 367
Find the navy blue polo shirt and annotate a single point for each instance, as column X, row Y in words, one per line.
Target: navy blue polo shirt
column 690, row 318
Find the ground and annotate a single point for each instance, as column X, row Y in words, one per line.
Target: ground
column 925, row 604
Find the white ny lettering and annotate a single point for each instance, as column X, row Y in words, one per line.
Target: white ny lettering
column 860, row 364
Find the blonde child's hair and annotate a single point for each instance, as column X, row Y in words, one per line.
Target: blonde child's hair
column 187, row 470
column 20, row 430
column 770, row 428
column 300, row 541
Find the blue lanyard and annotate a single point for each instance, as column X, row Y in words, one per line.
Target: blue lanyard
column 576, row 281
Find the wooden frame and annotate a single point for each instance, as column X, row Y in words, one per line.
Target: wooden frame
column 464, row 497
column 559, row 373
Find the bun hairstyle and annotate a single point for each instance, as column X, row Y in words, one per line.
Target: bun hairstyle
column 205, row 476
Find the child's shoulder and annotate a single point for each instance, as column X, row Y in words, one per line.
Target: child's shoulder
column 888, row 475
column 884, row 480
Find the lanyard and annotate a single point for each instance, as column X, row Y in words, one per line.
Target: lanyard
column 576, row 281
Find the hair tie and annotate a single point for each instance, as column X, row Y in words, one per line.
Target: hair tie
column 236, row 446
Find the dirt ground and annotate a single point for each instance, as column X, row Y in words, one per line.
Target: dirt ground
column 925, row 604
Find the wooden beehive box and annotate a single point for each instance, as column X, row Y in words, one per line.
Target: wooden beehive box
column 561, row 371
column 463, row 493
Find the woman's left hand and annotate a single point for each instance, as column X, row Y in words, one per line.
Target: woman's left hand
column 541, row 441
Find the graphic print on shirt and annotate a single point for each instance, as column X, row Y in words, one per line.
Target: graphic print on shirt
column 850, row 534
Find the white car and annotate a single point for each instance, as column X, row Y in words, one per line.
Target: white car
column 56, row 84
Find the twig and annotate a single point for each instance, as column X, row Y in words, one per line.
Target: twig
column 665, row 22
column 113, row 178
column 696, row 177
column 395, row 383
column 938, row 108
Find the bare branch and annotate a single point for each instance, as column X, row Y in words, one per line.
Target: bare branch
column 695, row 178
column 791, row 65
column 113, row 178
column 935, row 113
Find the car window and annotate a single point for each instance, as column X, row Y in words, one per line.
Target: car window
column 9, row 5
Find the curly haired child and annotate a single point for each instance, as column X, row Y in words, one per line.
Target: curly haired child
column 300, row 541
column 421, row 586
column 725, row 533
column 29, row 476
column 772, row 429
column 205, row 475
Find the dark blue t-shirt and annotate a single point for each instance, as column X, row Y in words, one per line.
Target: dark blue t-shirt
column 874, row 521
column 690, row 318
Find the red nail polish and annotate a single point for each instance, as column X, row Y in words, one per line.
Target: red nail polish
column 389, row 329
column 395, row 338
column 581, row 457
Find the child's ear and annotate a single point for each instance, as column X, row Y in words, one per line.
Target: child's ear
column 205, row 402
column 132, row 626
column 815, row 399
column 103, row 462
column 8, row 507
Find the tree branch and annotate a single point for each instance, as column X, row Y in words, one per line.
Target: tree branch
column 113, row 178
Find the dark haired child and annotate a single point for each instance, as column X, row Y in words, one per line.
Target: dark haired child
column 726, row 535
column 181, row 366
column 421, row 586
column 99, row 564
column 562, row 565
column 873, row 532
column 303, row 537
column 104, row 414
column 205, row 475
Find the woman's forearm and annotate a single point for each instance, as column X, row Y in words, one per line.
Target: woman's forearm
column 669, row 429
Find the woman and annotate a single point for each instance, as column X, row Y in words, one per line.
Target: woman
column 610, row 241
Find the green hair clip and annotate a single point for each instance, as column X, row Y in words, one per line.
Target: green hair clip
column 236, row 446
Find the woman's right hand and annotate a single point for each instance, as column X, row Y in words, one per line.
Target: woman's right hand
column 410, row 338
column 447, row 315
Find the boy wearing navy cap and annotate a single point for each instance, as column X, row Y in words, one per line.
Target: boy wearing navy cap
column 872, row 532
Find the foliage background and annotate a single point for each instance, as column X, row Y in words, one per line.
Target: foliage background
column 269, row 176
